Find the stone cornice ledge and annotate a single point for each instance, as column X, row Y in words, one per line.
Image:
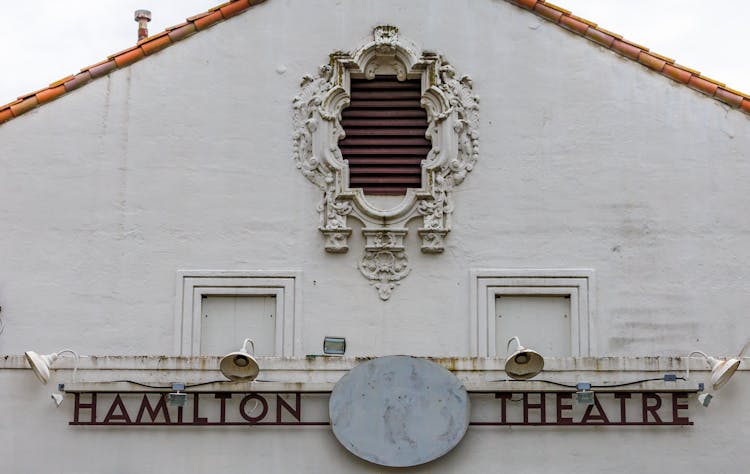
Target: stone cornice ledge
column 338, row 364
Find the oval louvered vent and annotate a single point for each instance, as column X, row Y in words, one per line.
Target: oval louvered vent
column 385, row 135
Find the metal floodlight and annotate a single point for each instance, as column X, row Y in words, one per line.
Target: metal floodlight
column 334, row 345
column 41, row 364
column 177, row 398
column 705, row 398
column 240, row 366
column 721, row 369
column 584, row 395
column 523, row 363
column 58, row 398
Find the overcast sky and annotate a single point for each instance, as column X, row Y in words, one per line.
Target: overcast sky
column 45, row 40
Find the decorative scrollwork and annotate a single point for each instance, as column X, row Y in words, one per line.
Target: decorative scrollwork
column 453, row 129
column 384, row 269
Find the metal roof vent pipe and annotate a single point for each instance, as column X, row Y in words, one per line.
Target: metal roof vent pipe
column 142, row 17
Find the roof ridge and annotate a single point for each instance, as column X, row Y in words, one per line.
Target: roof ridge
column 549, row 11
column 633, row 51
column 124, row 58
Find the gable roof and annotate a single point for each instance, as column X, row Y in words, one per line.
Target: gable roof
column 563, row 18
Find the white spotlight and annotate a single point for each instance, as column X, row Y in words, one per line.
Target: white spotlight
column 721, row 369
column 240, row 366
column 58, row 398
column 523, row 363
column 41, row 364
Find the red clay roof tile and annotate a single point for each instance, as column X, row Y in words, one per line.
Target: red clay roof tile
column 50, row 94
column 61, row 81
column 182, row 32
column 24, row 106
column 574, row 24
column 600, row 37
column 77, row 81
column 702, row 85
column 676, row 73
column 626, row 49
column 102, row 69
column 205, row 21
column 729, row 97
column 549, row 11
column 5, row 115
column 158, row 44
column 651, row 61
column 129, row 58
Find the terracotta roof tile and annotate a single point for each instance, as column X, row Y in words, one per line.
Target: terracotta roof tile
column 664, row 58
column 50, row 94
column 182, row 32
column 61, row 81
column 24, row 106
column 102, row 69
column 677, row 73
column 124, row 58
column 5, row 115
column 703, row 85
column 150, row 47
column 574, row 24
column 231, row 9
column 631, row 50
column 651, row 61
column 600, row 37
column 558, row 8
column 529, row 4
column 588, row 22
column 626, row 49
column 729, row 97
column 129, row 58
column 208, row 20
column 77, row 81
column 549, row 11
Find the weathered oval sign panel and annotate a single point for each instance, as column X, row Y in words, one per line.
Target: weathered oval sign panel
column 399, row 411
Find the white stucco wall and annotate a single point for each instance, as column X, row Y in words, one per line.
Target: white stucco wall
column 183, row 161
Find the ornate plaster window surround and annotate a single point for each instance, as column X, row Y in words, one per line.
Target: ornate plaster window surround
column 283, row 286
column 453, row 123
column 486, row 285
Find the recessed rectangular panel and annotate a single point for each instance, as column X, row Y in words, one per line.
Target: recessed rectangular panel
column 226, row 320
column 541, row 322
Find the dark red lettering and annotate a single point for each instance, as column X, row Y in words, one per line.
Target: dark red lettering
column 263, row 412
column 677, row 406
column 651, row 408
column 601, row 417
column 122, row 416
column 563, row 420
column 295, row 412
column 90, row 406
column 541, row 406
column 161, row 406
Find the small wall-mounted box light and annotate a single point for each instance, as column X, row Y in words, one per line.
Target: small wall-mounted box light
column 177, row 398
column 334, row 345
column 584, row 395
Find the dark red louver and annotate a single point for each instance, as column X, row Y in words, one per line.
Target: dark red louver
column 385, row 142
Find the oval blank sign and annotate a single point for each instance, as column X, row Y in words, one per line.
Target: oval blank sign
column 399, row 411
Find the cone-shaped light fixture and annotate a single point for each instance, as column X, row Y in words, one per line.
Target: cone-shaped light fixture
column 523, row 363
column 721, row 369
column 41, row 364
column 240, row 366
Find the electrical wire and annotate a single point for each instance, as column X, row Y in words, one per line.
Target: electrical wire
column 559, row 384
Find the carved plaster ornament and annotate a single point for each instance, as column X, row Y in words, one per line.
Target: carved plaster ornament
column 453, row 124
